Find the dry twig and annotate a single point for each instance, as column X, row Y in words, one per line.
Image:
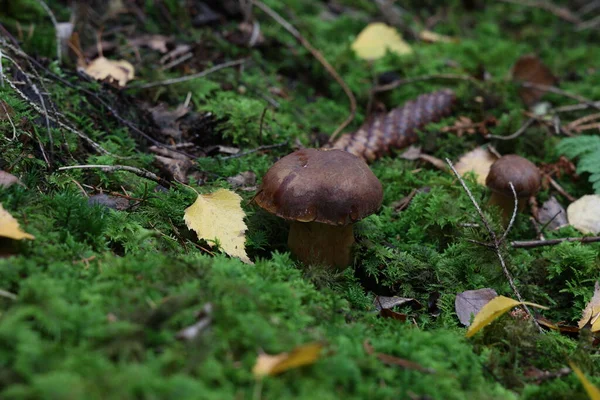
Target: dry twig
column 496, row 244
column 56, row 30
column 317, row 54
column 114, row 168
column 528, row 244
column 189, row 77
column 400, row 82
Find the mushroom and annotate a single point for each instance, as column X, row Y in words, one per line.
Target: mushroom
column 524, row 176
column 322, row 192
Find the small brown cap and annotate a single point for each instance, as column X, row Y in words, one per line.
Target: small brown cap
column 329, row 186
column 523, row 174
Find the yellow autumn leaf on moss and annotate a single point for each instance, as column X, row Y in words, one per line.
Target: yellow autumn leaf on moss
column 479, row 161
column 218, row 216
column 376, row 39
column 272, row 365
column 591, row 313
column 493, row 310
column 102, row 68
column 592, row 390
column 9, row 227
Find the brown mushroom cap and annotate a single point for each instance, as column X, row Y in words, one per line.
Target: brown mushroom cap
column 328, row 186
column 523, row 174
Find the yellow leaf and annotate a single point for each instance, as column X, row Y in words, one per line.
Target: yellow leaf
column 272, row 365
column 102, row 68
column 376, row 39
column 219, row 216
column 432, row 37
column 494, row 309
column 591, row 313
column 592, row 390
column 9, row 227
column 479, row 161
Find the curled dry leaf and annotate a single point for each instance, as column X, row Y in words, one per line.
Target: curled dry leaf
column 479, row 161
column 529, row 68
column 9, row 227
column 494, row 309
column 7, row 180
column 592, row 390
column 553, row 214
column 102, row 199
column 114, row 71
column 591, row 313
column 470, row 302
column 218, row 216
column 584, row 214
column 376, row 39
column 272, row 365
column 176, row 168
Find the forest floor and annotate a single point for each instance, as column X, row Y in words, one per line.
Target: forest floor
column 116, row 298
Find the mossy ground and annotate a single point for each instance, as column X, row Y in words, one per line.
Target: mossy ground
column 101, row 294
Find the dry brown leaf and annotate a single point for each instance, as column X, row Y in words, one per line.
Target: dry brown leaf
column 470, row 302
column 591, row 313
column 275, row 364
column 114, row 71
column 584, row 214
column 529, row 68
column 219, row 216
column 9, row 227
column 376, row 39
column 7, row 180
column 553, row 214
column 479, row 161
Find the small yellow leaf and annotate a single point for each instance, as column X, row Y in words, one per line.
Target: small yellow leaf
column 591, row 313
column 592, row 390
column 492, row 310
column 102, row 68
column 432, row 37
column 479, row 161
column 219, row 216
column 376, row 39
column 272, row 365
column 9, row 227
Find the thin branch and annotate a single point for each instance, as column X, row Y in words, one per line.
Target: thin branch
column 288, row 27
column 575, row 107
column 560, row 189
column 400, row 82
column 496, row 243
column 113, row 168
column 189, row 77
column 561, row 12
column 6, row 112
column 56, row 30
column 515, row 135
column 528, row 244
column 260, row 148
column 555, row 90
column 514, row 214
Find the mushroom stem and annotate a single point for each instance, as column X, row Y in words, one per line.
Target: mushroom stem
column 323, row 244
column 507, row 205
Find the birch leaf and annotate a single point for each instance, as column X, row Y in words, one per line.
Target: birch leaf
column 218, row 216
column 493, row 310
column 275, row 364
column 376, row 39
column 591, row 314
column 9, row 227
column 592, row 390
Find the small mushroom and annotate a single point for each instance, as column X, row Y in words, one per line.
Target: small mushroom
column 322, row 192
column 524, row 176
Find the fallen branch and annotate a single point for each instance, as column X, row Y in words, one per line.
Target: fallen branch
column 288, row 27
column 515, row 135
column 561, row 12
column 186, row 78
column 400, row 82
column 528, row 244
column 260, row 148
column 497, row 242
column 555, row 90
column 114, row 168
